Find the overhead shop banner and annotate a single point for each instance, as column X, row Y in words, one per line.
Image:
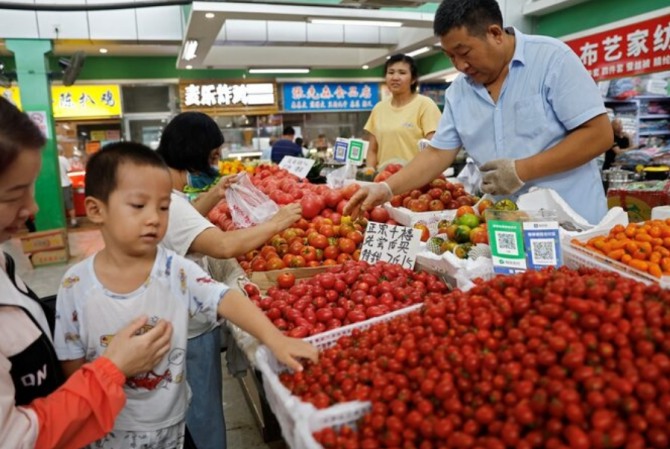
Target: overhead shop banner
column 642, row 47
column 322, row 97
column 92, row 101
column 229, row 97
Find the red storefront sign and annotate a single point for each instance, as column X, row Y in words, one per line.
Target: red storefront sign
column 642, row 47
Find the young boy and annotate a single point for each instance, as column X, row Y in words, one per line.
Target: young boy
column 128, row 195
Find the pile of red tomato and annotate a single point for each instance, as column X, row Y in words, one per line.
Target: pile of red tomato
column 284, row 188
column 438, row 195
column 308, row 244
column 555, row 359
column 353, row 292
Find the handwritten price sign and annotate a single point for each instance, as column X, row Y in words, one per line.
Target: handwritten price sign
column 395, row 244
column 298, row 166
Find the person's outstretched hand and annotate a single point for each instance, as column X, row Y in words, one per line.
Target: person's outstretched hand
column 133, row 354
column 366, row 198
column 499, row 177
column 287, row 215
column 224, row 183
column 289, row 350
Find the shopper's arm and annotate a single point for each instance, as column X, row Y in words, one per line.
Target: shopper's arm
column 425, row 167
column 83, row 409
column 581, row 145
column 79, row 412
column 216, row 243
column 371, row 157
column 239, row 310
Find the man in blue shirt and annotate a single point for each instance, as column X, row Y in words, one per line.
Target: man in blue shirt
column 524, row 108
column 285, row 146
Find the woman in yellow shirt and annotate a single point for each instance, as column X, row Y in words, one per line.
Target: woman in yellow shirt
column 398, row 123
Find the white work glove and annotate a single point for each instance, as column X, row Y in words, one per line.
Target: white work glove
column 499, row 177
column 368, row 197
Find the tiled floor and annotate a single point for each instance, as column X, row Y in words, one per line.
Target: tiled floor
column 242, row 430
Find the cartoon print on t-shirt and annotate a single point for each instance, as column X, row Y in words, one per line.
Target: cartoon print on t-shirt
column 70, row 281
column 152, row 380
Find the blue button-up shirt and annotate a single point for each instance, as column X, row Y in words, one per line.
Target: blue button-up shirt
column 546, row 94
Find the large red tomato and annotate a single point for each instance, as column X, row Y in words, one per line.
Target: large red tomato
column 286, row 280
column 333, row 197
column 311, row 206
column 379, row 214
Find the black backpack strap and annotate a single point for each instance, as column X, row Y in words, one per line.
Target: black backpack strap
column 48, row 308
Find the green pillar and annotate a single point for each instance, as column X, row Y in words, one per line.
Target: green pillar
column 32, row 69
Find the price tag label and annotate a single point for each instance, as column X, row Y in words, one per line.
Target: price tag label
column 357, row 150
column 298, row 166
column 390, row 243
column 340, row 149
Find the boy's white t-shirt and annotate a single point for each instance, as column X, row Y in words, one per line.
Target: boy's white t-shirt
column 88, row 316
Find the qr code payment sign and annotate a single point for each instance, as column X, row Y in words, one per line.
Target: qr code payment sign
column 507, row 243
column 543, row 251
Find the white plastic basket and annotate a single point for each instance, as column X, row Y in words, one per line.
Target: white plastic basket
column 575, row 257
column 336, row 416
column 289, row 409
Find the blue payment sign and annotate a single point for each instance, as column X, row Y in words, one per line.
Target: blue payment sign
column 314, row 97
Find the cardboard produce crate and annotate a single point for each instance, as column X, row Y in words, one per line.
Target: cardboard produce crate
column 266, row 279
column 639, row 198
column 49, row 257
column 45, row 240
column 46, row 247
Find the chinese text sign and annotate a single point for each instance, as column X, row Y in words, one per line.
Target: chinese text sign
column 298, row 166
column 642, row 47
column 330, row 96
column 395, row 244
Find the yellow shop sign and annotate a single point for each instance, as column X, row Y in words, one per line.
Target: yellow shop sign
column 86, row 101
column 92, row 101
column 11, row 94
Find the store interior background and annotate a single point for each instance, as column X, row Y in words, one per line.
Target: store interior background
column 145, row 55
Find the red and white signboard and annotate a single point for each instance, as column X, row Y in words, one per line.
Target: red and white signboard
column 642, row 47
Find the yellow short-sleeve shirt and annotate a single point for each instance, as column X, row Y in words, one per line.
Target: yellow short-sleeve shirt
column 398, row 130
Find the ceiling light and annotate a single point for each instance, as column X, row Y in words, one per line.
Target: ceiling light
column 190, row 47
column 377, row 23
column 103, row 50
column 209, row 15
column 365, row 67
column 418, row 51
column 280, row 70
column 189, row 67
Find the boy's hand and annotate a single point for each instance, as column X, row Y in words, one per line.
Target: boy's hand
column 289, row 350
column 133, row 354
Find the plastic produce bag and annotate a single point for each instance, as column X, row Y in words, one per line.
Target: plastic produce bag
column 470, row 177
column 248, row 205
column 336, row 178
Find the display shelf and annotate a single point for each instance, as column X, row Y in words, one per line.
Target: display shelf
column 663, row 132
column 654, row 116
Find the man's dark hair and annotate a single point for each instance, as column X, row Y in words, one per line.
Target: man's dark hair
column 17, row 133
column 289, row 131
column 188, row 140
column 475, row 15
column 412, row 68
column 102, row 168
